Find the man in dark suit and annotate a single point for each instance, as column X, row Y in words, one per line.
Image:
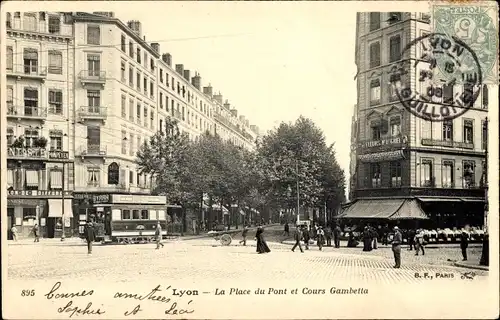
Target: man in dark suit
column 297, row 236
column 89, row 235
column 306, row 236
column 464, row 243
column 396, row 247
column 336, row 236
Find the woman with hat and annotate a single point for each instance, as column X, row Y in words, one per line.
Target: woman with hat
column 321, row 237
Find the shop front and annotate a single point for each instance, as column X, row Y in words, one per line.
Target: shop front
column 43, row 207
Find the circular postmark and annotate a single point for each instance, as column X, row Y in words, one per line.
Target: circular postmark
column 433, row 96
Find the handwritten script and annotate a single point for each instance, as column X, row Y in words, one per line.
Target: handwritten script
column 173, row 308
column 69, row 308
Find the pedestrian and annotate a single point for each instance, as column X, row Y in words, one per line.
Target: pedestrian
column 89, row 235
column 158, row 236
column 306, row 236
column 13, row 230
column 367, row 239
column 244, row 236
column 35, row 232
column 411, row 239
column 297, row 236
column 336, row 236
column 287, row 230
column 464, row 243
column 396, row 247
column 375, row 238
column 328, row 236
column 320, row 237
column 419, row 242
column 385, row 235
column 261, row 242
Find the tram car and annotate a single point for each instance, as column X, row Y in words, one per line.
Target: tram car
column 130, row 218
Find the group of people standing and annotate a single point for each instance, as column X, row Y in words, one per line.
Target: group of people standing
column 322, row 236
column 35, row 230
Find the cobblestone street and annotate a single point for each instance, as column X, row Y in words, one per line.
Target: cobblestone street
column 205, row 258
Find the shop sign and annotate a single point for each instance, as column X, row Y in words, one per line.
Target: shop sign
column 94, row 198
column 39, row 193
column 59, row 155
column 139, row 199
column 383, row 144
column 36, row 153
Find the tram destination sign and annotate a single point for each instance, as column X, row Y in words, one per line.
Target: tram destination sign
column 138, row 199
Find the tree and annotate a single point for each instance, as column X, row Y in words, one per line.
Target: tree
column 165, row 156
column 297, row 153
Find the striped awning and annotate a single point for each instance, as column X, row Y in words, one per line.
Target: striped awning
column 409, row 210
column 382, row 156
column 372, row 209
column 31, row 178
column 56, row 179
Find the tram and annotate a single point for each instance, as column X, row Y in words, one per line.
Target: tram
column 129, row 218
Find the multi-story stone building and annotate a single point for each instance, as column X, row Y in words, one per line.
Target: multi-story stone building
column 407, row 166
column 40, row 113
column 84, row 92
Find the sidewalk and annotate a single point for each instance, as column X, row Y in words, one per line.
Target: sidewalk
column 343, row 243
column 471, row 264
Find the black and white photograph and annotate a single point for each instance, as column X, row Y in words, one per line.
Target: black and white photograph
column 249, row 159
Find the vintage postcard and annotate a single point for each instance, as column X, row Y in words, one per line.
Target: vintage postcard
column 249, row 160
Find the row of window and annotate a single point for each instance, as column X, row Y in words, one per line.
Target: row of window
column 31, row 22
column 30, row 61
column 118, row 176
column 31, row 102
column 131, row 142
column 31, row 135
column 375, row 19
column 136, row 54
column 30, row 179
column 427, row 174
column 142, row 84
column 136, row 214
column 394, row 51
column 138, row 112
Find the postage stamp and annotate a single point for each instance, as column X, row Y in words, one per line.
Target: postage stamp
column 476, row 26
column 446, row 88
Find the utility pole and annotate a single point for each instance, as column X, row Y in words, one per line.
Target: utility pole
column 63, row 204
column 298, row 191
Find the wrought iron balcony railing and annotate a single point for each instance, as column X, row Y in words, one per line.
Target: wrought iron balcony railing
column 25, row 111
column 29, row 71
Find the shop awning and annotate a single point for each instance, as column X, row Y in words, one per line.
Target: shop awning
column 473, row 200
column 382, row 156
column 372, row 209
column 31, row 178
column 218, row 207
column 55, row 208
column 10, row 178
column 409, row 210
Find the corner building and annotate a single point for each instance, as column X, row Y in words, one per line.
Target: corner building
column 407, row 167
column 40, row 112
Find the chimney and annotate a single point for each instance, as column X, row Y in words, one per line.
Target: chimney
column 196, row 81
column 218, row 98
column 156, row 47
column 135, row 26
column 234, row 112
column 208, row 90
column 187, row 75
column 109, row 14
column 227, row 105
column 179, row 68
column 167, row 58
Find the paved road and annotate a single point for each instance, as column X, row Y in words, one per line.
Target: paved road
column 205, row 258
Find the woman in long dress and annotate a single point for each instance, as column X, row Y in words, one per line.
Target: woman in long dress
column 261, row 243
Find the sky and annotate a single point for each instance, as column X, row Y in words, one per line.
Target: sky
column 272, row 61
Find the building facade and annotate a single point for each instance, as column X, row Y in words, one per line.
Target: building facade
column 435, row 166
column 40, row 111
column 94, row 104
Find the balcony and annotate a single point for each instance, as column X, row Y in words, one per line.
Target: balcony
column 447, row 144
column 93, row 151
column 26, row 112
column 87, row 113
column 92, row 77
column 27, row 71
